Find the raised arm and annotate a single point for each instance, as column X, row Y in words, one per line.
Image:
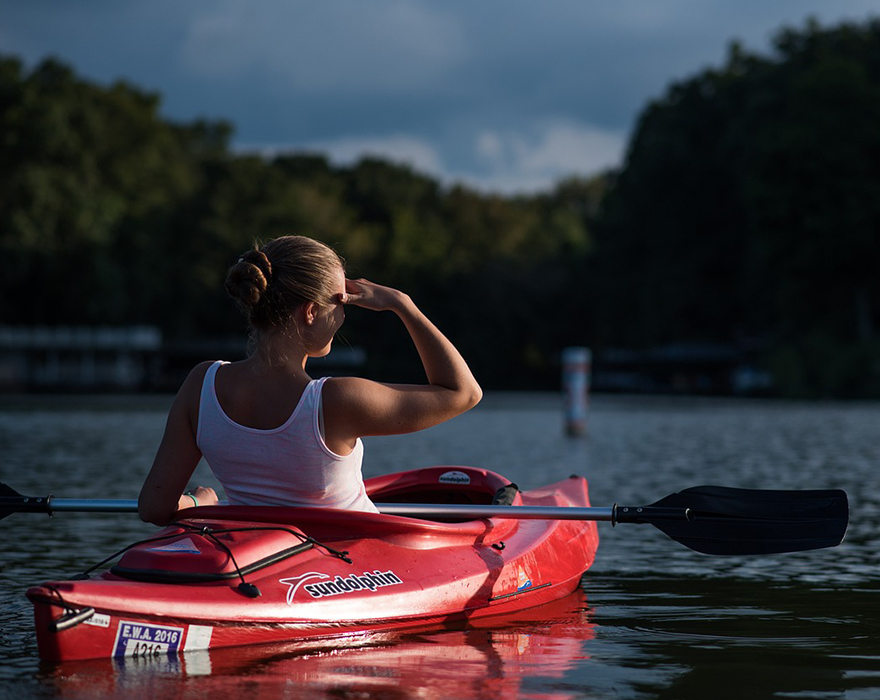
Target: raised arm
column 359, row 407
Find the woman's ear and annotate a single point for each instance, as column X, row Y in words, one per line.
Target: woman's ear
column 310, row 312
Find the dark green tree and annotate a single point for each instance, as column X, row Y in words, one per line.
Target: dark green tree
column 748, row 209
column 91, row 178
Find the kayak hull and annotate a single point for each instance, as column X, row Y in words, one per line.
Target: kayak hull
column 230, row 576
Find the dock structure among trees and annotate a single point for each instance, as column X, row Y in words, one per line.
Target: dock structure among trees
column 78, row 357
column 130, row 358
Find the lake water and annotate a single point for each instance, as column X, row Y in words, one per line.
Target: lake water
column 652, row 619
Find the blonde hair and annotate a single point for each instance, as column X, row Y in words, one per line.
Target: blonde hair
column 269, row 282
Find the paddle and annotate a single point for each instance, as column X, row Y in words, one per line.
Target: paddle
column 708, row 519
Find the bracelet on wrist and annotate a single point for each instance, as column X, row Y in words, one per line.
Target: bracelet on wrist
column 194, row 499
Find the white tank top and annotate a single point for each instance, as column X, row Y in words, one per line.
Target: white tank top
column 285, row 466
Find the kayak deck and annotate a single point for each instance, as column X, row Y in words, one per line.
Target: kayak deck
column 229, row 576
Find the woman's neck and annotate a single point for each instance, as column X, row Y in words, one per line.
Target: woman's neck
column 287, row 361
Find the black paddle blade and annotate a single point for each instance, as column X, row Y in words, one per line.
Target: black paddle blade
column 744, row 521
column 8, row 495
column 11, row 501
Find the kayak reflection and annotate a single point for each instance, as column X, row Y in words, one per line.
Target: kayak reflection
column 492, row 659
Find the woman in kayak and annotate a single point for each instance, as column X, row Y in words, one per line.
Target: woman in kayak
column 270, row 433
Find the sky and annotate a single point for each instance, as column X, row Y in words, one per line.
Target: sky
column 506, row 96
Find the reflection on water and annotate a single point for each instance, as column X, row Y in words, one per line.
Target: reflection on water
column 663, row 621
column 496, row 662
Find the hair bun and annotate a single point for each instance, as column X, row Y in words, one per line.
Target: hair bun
column 270, row 282
column 248, row 279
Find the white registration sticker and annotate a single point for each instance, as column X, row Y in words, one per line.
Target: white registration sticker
column 142, row 639
column 197, row 637
column 98, row 620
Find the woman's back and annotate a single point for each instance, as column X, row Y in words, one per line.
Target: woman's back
column 258, row 400
column 284, row 464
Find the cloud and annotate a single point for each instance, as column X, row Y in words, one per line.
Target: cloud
column 567, row 146
column 504, row 161
column 403, row 149
column 323, row 47
column 555, row 148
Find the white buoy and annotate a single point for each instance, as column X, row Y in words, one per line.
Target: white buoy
column 576, row 388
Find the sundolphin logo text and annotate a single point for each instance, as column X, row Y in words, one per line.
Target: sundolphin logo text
column 339, row 586
column 368, row 581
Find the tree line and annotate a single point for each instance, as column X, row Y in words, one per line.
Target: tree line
column 746, row 213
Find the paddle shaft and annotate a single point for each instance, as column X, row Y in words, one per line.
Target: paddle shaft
column 97, row 505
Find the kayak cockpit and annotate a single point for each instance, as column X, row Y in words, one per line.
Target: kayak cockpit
column 467, row 485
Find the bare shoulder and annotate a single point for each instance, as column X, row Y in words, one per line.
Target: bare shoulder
column 186, row 402
column 339, row 392
column 195, row 379
column 356, row 406
column 198, row 372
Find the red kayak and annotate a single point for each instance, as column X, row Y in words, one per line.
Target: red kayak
column 227, row 576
